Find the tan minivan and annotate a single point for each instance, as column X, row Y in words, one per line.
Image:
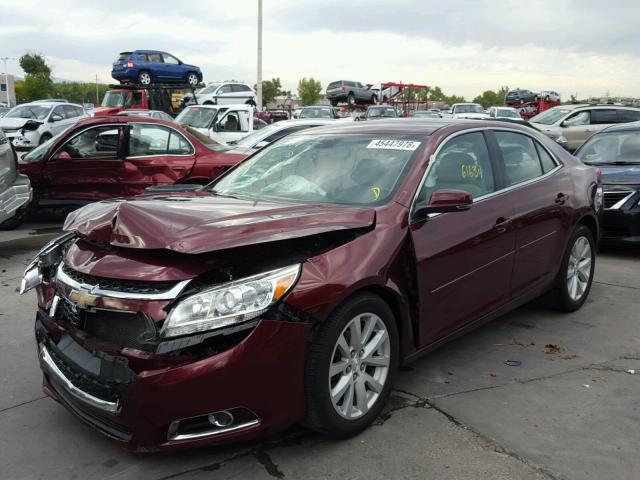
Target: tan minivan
column 576, row 123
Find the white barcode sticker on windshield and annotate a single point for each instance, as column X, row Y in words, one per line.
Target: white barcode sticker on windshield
column 394, row 144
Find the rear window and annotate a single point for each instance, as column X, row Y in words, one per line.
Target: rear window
column 334, row 85
column 123, row 56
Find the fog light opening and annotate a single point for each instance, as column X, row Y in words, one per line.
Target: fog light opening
column 215, row 423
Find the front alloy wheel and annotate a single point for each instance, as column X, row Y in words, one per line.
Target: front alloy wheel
column 352, row 361
column 579, row 269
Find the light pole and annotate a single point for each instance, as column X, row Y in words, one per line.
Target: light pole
column 259, row 89
column 6, row 77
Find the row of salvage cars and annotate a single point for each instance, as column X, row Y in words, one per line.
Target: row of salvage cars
column 292, row 287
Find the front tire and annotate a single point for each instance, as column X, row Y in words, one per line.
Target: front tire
column 192, row 79
column 351, row 366
column 573, row 282
column 43, row 138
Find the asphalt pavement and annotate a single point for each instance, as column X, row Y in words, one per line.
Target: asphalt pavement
column 568, row 411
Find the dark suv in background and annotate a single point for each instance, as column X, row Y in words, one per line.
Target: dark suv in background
column 350, row 92
column 520, row 96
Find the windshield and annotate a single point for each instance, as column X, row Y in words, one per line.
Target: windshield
column 39, row 152
column 504, row 113
column 469, row 109
column 114, row 99
column 197, row 117
column 316, row 112
column 381, row 112
column 209, row 89
column 615, row 148
column 35, row 112
column 345, row 169
column 550, row 117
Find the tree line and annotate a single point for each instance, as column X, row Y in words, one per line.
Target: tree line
column 37, row 85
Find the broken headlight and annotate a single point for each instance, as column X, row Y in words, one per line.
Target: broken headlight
column 44, row 265
column 230, row 303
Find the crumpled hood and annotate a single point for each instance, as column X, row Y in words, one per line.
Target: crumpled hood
column 620, row 175
column 14, row 123
column 199, row 222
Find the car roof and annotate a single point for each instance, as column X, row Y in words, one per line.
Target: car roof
column 49, row 104
column 411, row 126
column 623, row 127
column 229, row 106
column 110, row 119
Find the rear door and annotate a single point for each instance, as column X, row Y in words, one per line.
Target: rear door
column 88, row 166
column 464, row 259
column 156, row 66
column 539, row 190
column 155, row 155
column 224, row 95
column 577, row 128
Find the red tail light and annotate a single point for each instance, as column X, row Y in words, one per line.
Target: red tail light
column 130, row 64
column 343, row 88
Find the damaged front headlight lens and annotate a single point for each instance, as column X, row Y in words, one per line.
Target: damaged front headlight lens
column 44, row 264
column 230, row 303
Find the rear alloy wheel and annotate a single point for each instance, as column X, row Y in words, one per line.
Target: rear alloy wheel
column 192, row 79
column 351, row 367
column 144, row 78
column 574, row 279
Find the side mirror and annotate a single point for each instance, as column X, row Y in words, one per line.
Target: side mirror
column 445, row 201
column 565, row 124
column 217, row 127
column 62, row 156
column 261, row 144
column 56, row 118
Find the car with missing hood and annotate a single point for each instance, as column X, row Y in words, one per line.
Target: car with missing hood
column 292, row 288
column 616, row 152
column 108, row 157
column 31, row 124
column 15, row 189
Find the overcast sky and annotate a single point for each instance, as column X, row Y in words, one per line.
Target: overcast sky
column 584, row 46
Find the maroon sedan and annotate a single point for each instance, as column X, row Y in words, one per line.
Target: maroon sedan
column 106, row 157
column 292, row 288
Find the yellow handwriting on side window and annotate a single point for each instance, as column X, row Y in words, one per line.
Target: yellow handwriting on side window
column 471, row 171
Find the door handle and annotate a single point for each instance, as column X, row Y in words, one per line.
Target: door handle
column 502, row 224
column 562, row 198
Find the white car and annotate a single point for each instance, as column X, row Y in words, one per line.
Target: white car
column 467, row 110
column 550, row 95
column 227, row 93
column 223, row 124
column 504, row 112
column 32, row 124
column 263, row 137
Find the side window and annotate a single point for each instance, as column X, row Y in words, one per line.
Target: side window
column 95, row 143
column 155, row 57
column 235, row 121
column 349, row 84
column 178, row 145
column 547, row 162
column 147, row 139
column 602, row 116
column 79, row 111
column 625, row 116
column 581, row 118
column 59, row 110
column 224, row 89
column 462, row 164
column 170, row 59
column 240, row 88
column 70, row 111
column 521, row 162
column 143, row 57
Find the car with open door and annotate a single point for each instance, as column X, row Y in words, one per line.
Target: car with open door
column 15, row 189
column 224, row 124
column 293, row 287
column 108, row 157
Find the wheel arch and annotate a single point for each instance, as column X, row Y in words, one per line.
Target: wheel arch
column 591, row 223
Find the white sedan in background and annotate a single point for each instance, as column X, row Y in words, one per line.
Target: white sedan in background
column 504, row 112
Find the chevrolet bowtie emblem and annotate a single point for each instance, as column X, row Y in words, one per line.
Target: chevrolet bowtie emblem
column 82, row 299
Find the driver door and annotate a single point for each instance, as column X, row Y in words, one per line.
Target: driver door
column 577, row 128
column 463, row 259
column 88, row 167
column 234, row 125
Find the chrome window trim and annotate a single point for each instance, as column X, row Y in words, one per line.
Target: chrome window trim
column 105, row 405
column 96, row 290
column 433, row 156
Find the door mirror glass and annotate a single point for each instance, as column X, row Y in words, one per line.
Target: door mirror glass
column 56, row 118
column 62, row 156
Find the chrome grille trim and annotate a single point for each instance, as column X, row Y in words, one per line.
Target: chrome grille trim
column 619, row 201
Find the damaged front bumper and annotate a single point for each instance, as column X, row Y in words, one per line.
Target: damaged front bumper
column 250, row 389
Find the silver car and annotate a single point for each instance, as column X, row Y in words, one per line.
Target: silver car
column 31, row 124
column 15, row 189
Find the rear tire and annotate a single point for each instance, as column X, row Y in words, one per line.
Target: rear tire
column 351, row 366
column 573, row 282
column 19, row 217
column 144, row 78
